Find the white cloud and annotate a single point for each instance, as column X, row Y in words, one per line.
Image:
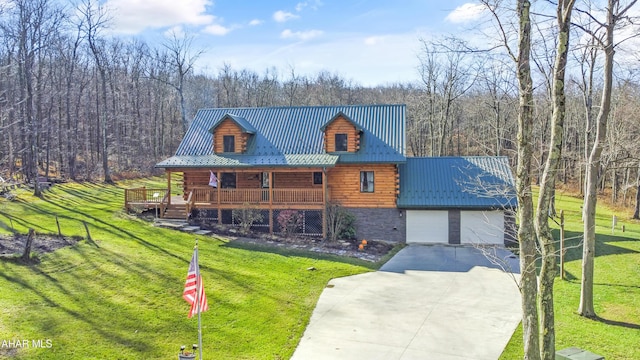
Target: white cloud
column 283, row 16
column 217, row 29
column 134, row 16
column 255, row 22
column 300, row 35
column 466, row 13
column 374, row 40
column 313, row 4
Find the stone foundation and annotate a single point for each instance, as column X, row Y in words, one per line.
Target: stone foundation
column 380, row 224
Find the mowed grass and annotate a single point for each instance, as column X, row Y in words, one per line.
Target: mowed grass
column 616, row 333
column 120, row 295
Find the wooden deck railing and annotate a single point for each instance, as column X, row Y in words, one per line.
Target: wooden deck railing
column 145, row 197
column 208, row 195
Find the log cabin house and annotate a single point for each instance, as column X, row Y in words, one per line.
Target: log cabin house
column 299, row 159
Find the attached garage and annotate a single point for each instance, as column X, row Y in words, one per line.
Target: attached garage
column 427, row 226
column 482, row 227
column 457, row 200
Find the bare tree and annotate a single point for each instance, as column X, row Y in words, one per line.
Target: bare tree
column 95, row 20
column 179, row 57
column 616, row 16
column 547, row 185
column 526, row 231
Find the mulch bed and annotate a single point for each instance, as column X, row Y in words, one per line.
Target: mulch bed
column 14, row 244
column 373, row 251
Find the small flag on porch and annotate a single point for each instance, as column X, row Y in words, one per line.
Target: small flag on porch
column 194, row 288
column 213, row 180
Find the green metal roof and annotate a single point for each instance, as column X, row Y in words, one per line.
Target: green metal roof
column 239, row 120
column 340, row 114
column 473, row 182
column 282, row 132
column 232, row 161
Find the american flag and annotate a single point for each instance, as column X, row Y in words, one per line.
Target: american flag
column 194, row 281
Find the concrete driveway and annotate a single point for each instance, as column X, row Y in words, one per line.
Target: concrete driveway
column 427, row 302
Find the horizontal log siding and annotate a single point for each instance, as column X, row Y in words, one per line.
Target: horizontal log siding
column 244, row 180
column 344, row 186
column 293, row 180
column 248, row 180
column 341, row 126
column 228, row 127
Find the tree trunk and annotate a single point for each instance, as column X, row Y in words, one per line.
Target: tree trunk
column 547, row 186
column 593, row 167
column 26, row 254
column 526, row 233
column 636, row 212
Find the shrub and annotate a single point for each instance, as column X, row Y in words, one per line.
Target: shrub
column 340, row 222
column 290, row 221
column 246, row 216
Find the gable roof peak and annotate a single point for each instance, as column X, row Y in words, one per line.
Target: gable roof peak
column 242, row 123
column 341, row 114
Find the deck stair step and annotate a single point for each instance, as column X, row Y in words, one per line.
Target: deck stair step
column 190, row 228
column 172, row 224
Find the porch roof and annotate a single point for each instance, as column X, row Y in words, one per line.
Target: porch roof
column 288, row 160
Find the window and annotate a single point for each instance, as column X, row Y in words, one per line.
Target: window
column 229, row 143
column 366, row 181
column 341, row 142
column 265, row 179
column 317, row 178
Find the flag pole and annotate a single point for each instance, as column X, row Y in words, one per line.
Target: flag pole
column 198, row 285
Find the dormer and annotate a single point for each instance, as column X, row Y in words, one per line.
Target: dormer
column 341, row 134
column 231, row 134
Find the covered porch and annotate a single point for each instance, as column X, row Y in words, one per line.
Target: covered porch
column 218, row 191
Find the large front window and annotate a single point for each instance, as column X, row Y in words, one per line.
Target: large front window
column 366, row 181
column 229, row 143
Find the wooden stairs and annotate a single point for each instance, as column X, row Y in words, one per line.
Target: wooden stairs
column 175, row 211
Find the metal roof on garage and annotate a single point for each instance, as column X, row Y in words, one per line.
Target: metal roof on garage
column 472, row 182
column 282, row 132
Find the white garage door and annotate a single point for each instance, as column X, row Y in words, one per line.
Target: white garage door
column 482, row 227
column 427, row 226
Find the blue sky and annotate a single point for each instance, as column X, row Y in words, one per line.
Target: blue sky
column 371, row 42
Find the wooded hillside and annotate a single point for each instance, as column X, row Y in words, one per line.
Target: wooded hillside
column 79, row 104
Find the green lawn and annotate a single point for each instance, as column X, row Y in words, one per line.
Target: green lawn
column 616, row 334
column 119, row 297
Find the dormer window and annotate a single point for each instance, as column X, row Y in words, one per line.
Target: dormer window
column 342, row 141
column 229, row 143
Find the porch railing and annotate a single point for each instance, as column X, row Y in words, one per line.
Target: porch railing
column 144, row 196
column 208, row 195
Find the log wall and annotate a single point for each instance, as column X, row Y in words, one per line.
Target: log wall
column 341, row 126
column 228, row 127
column 344, row 186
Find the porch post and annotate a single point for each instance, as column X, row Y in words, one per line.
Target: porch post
column 169, row 186
column 218, row 190
column 324, row 205
column 270, row 202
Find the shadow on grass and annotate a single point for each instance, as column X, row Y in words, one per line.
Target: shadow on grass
column 604, row 245
column 96, row 323
column 617, row 323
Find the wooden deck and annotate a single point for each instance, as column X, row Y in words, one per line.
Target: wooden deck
column 212, row 198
